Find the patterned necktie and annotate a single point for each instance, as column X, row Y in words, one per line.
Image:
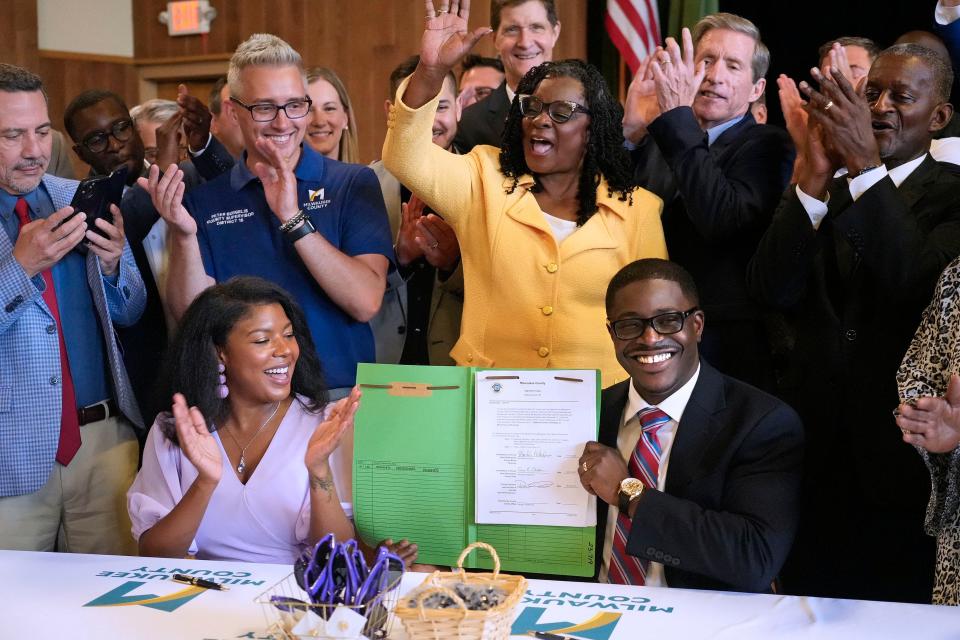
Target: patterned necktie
column 644, row 465
column 121, row 382
column 69, row 422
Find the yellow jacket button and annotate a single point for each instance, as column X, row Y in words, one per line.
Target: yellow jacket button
column 544, row 352
column 547, row 310
column 552, row 267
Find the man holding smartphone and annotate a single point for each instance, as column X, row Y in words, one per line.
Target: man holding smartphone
column 67, row 449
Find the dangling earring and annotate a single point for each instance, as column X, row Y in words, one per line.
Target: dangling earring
column 223, row 390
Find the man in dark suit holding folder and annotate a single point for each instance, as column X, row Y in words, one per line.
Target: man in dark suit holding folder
column 725, row 515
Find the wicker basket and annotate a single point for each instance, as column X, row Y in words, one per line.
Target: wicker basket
column 281, row 620
column 443, row 624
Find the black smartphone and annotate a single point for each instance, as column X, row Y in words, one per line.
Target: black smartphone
column 95, row 195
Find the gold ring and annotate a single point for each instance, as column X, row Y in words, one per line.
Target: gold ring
column 827, row 106
column 585, row 467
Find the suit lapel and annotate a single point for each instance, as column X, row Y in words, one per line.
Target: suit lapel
column 696, row 430
column 915, row 186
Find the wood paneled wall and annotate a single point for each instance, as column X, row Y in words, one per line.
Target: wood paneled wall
column 361, row 40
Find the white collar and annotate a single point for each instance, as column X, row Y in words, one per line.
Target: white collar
column 673, row 406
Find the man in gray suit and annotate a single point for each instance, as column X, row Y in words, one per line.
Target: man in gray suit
column 67, row 447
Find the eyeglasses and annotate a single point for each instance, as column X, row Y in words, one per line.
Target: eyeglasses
column 664, row 324
column 559, row 110
column 267, row 111
column 122, row 130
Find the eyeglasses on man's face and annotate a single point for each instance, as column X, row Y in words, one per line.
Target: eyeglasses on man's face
column 267, row 111
column 559, row 110
column 97, row 142
column 664, row 324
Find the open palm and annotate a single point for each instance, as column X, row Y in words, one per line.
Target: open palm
column 196, row 441
column 446, row 39
column 326, row 437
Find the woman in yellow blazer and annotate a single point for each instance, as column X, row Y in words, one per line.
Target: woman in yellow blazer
column 544, row 222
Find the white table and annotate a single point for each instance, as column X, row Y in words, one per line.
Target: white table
column 49, row 595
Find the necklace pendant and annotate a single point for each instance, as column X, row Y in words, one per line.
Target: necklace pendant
column 242, row 466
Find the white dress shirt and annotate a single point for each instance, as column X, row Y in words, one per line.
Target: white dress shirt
column 817, row 209
column 627, row 437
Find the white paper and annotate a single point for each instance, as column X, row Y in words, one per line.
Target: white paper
column 531, row 427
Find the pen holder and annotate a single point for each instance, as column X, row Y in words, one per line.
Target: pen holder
column 458, row 621
column 286, row 605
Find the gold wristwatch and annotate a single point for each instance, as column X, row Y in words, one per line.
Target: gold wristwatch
column 630, row 488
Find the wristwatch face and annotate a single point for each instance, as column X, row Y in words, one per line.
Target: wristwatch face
column 631, row 486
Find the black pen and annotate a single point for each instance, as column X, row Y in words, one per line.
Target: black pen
column 543, row 635
column 199, row 582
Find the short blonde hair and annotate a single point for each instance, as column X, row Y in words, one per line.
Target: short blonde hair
column 261, row 49
column 761, row 55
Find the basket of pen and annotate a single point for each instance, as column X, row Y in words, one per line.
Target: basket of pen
column 334, row 593
column 457, row 604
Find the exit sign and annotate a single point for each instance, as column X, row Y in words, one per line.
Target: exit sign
column 188, row 17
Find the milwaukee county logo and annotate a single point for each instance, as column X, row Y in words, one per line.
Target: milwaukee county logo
column 316, row 199
column 576, row 613
column 139, row 592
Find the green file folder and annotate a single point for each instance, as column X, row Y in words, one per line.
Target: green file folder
column 413, row 476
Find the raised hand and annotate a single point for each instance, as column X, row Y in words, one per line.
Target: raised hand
column 326, row 437
column 169, row 141
column 845, row 118
column 677, row 76
column 445, row 39
column 42, row 243
column 641, row 106
column 279, row 181
column 934, row 423
column 110, row 248
column 196, row 118
column 792, row 105
column 196, row 441
column 166, row 192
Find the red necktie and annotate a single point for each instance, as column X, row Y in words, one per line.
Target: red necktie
column 69, row 423
column 644, row 464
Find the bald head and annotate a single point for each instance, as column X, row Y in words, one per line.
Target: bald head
column 925, row 39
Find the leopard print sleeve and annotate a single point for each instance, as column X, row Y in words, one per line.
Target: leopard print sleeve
column 932, row 357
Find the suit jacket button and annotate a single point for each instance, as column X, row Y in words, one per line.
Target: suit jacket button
column 675, row 562
column 54, row 380
column 51, row 328
column 851, row 334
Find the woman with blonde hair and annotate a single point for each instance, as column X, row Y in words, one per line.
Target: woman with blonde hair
column 332, row 129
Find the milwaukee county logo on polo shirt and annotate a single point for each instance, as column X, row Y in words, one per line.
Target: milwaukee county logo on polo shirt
column 316, row 199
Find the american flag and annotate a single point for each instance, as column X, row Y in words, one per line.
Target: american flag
column 634, row 28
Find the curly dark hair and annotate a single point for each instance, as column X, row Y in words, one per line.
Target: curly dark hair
column 605, row 154
column 191, row 360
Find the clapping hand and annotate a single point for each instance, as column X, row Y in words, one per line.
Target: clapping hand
column 196, row 441
column 166, row 192
column 677, row 76
column 326, row 437
column 641, row 106
column 196, row 118
column 845, row 118
column 279, row 181
column 934, row 423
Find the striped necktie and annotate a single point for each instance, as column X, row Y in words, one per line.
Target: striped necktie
column 644, row 465
column 69, row 442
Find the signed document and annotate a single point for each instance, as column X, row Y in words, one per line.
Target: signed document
column 530, row 429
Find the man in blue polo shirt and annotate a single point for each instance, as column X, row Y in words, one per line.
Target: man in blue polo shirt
column 315, row 226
